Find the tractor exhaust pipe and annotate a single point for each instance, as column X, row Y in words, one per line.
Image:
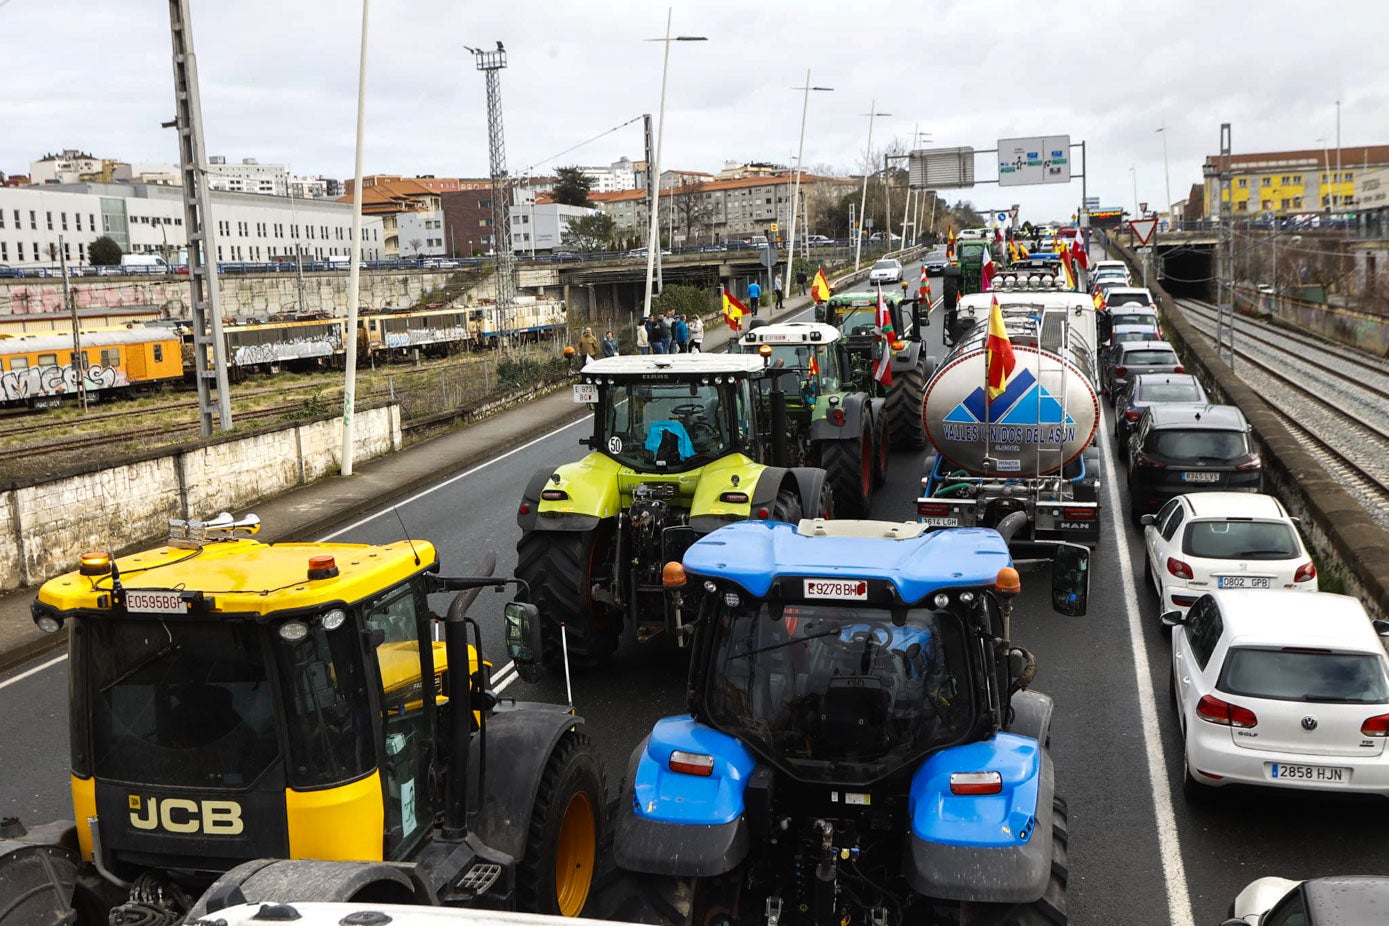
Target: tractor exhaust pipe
column 780, row 451
column 460, row 708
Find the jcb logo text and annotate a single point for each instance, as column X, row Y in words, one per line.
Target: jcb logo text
column 180, row 815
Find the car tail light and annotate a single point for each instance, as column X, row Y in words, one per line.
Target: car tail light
column 1306, row 571
column 837, row 417
column 1121, row 371
column 972, row 783
column 1377, row 725
column 1251, row 464
column 734, row 498
column 1179, row 369
column 1078, row 514
column 1143, row 461
column 1132, row 415
column 554, row 495
column 1179, row 569
column 691, row 763
column 1213, row 710
column 930, row 510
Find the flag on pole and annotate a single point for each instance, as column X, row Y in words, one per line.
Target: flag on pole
column 813, row 367
column 924, row 294
column 1013, row 251
column 733, row 310
column 986, row 271
column 1078, row 250
column 998, row 352
column 950, row 244
column 1099, row 301
column 1022, row 251
column 883, row 373
column 1069, row 272
column 820, row 287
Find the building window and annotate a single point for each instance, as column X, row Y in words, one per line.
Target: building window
column 81, row 251
column 1297, row 179
column 111, row 356
column 4, row 250
column 65, row 220
column 19, row 250
column 1297, row 202
column 1284, row 202
column 33, row 219
column 90, row 224
column 1265, row 181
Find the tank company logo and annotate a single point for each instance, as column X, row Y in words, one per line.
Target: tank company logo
column 1025, row 414
column 180, row 815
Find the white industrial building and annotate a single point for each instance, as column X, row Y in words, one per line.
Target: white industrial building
column 66, row 167
column 420, row 234
column 540, row 226
column 148, row 219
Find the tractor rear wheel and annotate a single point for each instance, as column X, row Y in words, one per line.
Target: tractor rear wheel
column 787, row 506
column 883, row 442
column 904, row 414
column 560, row 567
column 567, row 826
column 848, row 466
column 1047, row 910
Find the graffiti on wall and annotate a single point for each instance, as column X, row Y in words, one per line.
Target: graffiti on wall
column 451, row 334
column 320, row 345
column 54, row 380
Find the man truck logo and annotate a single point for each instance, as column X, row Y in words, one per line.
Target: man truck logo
column 180, row 815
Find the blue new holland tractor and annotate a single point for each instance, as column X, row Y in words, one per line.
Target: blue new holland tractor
column 861, row 746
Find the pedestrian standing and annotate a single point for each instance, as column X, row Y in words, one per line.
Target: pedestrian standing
column 800, row 281
column 680, row 332
column 643, row 337
column 754, row 292
column 609, row 344
column 696, row 326
column 776, row 288
column 588, row 345
column 662, row 333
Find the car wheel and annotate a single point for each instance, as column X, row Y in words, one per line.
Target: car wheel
column 1194, row 791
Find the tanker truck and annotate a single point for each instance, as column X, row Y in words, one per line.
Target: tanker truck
column 1031, row 448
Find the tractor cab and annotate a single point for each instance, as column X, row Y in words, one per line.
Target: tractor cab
column 802, row 359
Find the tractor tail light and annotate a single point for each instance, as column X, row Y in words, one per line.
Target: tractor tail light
column 837, row 417
column 554, row 495
column 734, row 498
column 975, row 783
column 1213, row 710
column 691, row 763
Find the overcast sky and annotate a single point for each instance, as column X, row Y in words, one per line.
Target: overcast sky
column 279, row 82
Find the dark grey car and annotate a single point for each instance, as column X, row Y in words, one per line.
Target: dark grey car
column 1150, row 389
column 1138, row 357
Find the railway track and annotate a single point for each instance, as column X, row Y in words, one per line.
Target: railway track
column 1329, row 397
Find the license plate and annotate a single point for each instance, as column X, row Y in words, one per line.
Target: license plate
column 585, row 392
column 155, row 602
column 1241, row 582
column 854, row 589
column 1328, row 774
column 1200, row 477
column 940, row 522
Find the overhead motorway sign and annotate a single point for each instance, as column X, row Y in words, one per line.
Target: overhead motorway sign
column 1027, row 161
column 1092, row 202
column 941, row 168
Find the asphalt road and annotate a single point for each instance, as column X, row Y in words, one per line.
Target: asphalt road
column 1138, row 853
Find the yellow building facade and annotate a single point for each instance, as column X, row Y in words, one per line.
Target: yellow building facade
column 1281, row 183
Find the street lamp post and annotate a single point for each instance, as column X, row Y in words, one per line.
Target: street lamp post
column 1167, row 175
column 652, row 238
column 867, row 169
column 796, row 191
column 1134, row 170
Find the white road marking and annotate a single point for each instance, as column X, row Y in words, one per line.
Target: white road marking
column 35, row 670
column 1169, row 845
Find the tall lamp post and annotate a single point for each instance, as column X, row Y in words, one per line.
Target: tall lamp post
column 1167, row 175
column 796, row 191
column 652, row 238
column 867, row 169
column 1134, row 170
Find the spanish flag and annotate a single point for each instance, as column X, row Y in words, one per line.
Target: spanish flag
column 998, row 352
column 950, row 245
column 820, row 287
column 1069, row 272
column 1022, row 251
column 1098, row 299
column 733, row 310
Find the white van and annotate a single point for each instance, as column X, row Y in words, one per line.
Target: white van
column 143, row 263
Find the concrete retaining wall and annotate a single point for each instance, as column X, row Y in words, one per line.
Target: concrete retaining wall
column 1367, row 332
column 44, row 528
column 1340, row 530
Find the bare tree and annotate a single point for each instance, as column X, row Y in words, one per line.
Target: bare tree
column 694, row 206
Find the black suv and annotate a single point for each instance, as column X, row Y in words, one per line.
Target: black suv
column 1183, row 447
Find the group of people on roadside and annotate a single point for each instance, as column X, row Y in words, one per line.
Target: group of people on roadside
column 592, row 347
column 670, row 333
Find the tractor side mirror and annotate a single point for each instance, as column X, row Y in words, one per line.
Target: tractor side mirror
column 921, row 315
column 523, row 639
column 1070, row 579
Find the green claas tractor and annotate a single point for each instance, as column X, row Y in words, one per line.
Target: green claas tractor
column 855, row 315
column 681, row 445
column 833, row 420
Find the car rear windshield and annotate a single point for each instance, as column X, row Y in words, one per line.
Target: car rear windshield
column 1293, row 674
column 1134, row 318
column 1171, row 392
column 1129, row 299
column 1179, row 444
column 1241, row 540
column 1151, row 358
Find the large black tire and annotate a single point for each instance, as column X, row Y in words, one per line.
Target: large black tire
column 848, row 466
column 558, row 566
column 568, row 824
column 1047, row 910
column 904, row 402
column 787, row 506
column 882, row 450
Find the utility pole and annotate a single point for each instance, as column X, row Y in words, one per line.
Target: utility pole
column 1225, row 255
column 1337, row 198
column 492, row 63
column 205, row 309
column 79, row 359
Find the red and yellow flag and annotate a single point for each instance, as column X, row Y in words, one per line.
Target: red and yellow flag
column 1099, row 301
column 950, row 245
column 925, row 294
column 1069, row 272
column 998, row 352
column 733, row 310
column 820, row 287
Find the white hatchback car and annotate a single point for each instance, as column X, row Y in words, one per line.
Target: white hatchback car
column 886, row 271
column 1281, row 689
column 1210, row 540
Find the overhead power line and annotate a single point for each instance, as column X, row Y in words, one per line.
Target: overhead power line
column 581, row 144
